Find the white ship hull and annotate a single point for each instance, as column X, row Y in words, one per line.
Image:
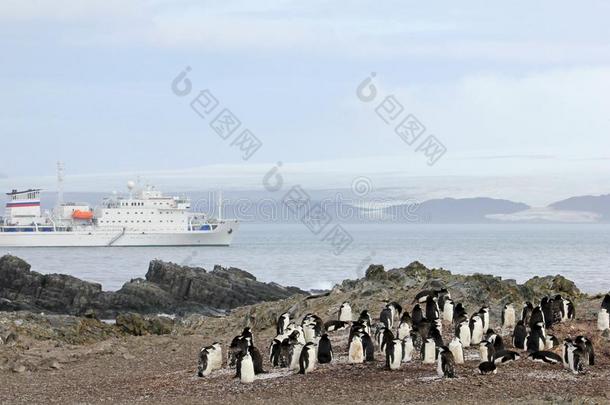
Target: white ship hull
column 221, row 236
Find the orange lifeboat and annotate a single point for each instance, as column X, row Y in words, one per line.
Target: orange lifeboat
column 78, row 214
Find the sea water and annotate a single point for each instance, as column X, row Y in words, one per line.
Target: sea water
column 290, row 254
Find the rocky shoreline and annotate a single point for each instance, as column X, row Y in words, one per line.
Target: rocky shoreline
column 74, row 357
column 167, row 288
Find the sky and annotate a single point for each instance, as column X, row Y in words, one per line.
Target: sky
column 517, row 94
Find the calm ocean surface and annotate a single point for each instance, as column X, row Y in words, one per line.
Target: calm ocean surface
column 291, row 255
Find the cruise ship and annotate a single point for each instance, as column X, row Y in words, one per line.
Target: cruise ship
column 144, row 217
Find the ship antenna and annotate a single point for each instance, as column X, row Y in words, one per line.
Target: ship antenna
column 60, row 184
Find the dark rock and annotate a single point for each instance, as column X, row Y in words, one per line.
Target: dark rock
column 168, row 288
column 138, row 325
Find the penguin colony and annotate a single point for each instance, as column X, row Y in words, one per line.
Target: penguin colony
column 401, row 337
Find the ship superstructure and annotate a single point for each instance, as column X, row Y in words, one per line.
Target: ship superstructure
column 145, row 217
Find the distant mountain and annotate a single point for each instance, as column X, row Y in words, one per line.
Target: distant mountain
column 596, row 204
column 466, row 210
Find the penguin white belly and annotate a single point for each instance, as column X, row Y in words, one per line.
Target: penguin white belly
column 407, row 354
column 548, row 343
column 309, row 334
column 477, row 333
column 439, row 367
column 429, row 353
column 603, row 320
column 455, row 347
column 483, row 352
column 296, row 354
column 465, row 335
column 448, row 312
column 403, row 331
column 395, row 363
column 356, row 354
column 216, row 356
column 345, row 315
column 509, row 319
column 247, row 370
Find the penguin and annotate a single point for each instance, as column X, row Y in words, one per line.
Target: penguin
column 567, row 342
column 558, row 309
column 204, row 368
column 387, row 336
column 508, row 317
column 422, row 296
column 356, row 351
column 432, row 311
column 417, row 315
column 386, row 318
column 396, row 310
column 379, row 333
column 309, row 332
column 459, row 313
column 476, row 329
column 407, row 349
column 335, row 326
column 550, row 341
column 520, row 336
column 575, row 359
column 245, row 367
column 295, row 355
column 455, row 347
column 536, row 339
column 606, row 303
column 307, row 359
column 526, row 313
column 365, row 317
column 547, row 310
column 275, row 352
column 495, row 339
column 505, row 356
column 448, row 310
column 446, row 363
column 282, row 323
column 285, row 350
column 545, row 356
column 345, row 312
column 484, row 314
column 486, row 351
column 536, row 317
column 210, row 359
column 435, row 334
column 257, row 359
column 442, row 296
column 571, row 310
column 298, row 335
column 325, row 350
column 586, row 347
column 603, row 319
column 404, row 330
column 368, row 347
column 393, row 354
column 487, row 367
column 429, row 351
column 463, row 333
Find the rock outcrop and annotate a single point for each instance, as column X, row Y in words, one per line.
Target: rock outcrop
column 167, row 288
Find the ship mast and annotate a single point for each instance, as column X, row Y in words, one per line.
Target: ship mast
column 60, row 184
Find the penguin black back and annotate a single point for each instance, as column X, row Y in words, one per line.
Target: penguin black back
column 368, row 347
column 325, row 350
